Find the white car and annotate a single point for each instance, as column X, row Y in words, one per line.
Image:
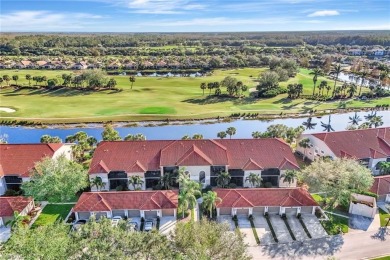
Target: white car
column 148, row 226
column 115, row 220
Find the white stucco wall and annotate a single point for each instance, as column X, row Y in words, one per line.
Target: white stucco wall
column 195, row 170
column 246, row 174
column 65, row 149
column 3, row 187
column 320, row 146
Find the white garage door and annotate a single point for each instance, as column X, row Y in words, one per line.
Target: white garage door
column 84, row 215
column 168, row 212
column 258, row 211
column 273, row 210
column 151, row 214
column 242, row 212
column 225, row 211
column 120, row 213
column 133, row 213
column 291, row 211
column 306, row 210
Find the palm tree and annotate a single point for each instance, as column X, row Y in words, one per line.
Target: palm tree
column 132, row 80
column 166, row 181
column 17, row 220
column 304, row 143
column 316, row 72
column 210, row 200
column 238, row 86
column 327, row 127
column 223, row 179
column 254, row 179
column 1, row 82
column 97, row 182
column 28, row 77
column 308, row 123
column 183, row 202
column 203, row 87
column 370, row 115
column 352, row 90
column 221, row 135
column 328, row 88
column 136, row 181
column 336, row 70
column 231, row 131
column 290, row 176
column 210, row 86
column 355, row 119
column 363, row 76
column 376, row 121
column 323, row 85
column 15, row 78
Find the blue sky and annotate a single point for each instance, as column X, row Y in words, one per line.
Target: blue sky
column 192, row 16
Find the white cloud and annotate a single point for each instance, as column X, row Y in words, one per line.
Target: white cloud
column 324, row 13
column 160, row 6
column 46, row 21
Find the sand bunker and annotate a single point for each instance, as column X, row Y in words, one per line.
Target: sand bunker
column 7, row 110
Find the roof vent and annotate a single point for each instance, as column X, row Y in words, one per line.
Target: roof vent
column 105, row 150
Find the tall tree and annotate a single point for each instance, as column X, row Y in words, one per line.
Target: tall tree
column 231, row 131
column 29, row 78
column 132, row 80
column 15, row 78
column 203, row 87
column 327, row 127
column 110, row 134
column 355, row 119
column 55, row 180
column 210, row 200
column 336, row 70
column 338, row 178
column 47, row 139
column 7, row 79
column 363, row 75
column 290, row 176
column 308, row 124
column 316, row 72
column 304, row 143
column 223, row 179
column 97, row 182
column 197, row 136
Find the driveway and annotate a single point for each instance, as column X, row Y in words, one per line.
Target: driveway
column 297, row 228
column 5, row 234
column 246, row 229
column 135, row 219
column 314, row 226
column 227, row 219
column 263, row 230
column 167, row 224
column 280, row 229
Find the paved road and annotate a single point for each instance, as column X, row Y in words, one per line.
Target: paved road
column 350, row 246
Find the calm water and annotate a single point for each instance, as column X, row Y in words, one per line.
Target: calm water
column 244, row 128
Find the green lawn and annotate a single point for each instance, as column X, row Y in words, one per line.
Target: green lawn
column 382, row 258
column 383, row 217
column 332, row 226
column 51, row 213
column 153, row 99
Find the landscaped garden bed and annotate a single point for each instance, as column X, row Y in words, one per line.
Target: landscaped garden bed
column 335, row 224
column 383, row 217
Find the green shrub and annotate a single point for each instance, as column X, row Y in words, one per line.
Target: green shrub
column 232, row 185
column 268, row 185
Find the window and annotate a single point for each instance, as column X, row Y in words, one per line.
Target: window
column 202, row 177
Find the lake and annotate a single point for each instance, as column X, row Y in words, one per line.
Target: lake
column 244, row 128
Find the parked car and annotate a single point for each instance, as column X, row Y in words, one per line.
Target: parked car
column 132, row 226
column 148, row 225
column 115, row 220
column 77, row 224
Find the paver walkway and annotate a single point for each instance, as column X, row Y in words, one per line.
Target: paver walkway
column 297, row 228
column 263, row 230
column 280, row 229
column 314, row 226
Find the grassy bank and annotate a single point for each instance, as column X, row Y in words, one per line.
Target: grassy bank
column 153, row 99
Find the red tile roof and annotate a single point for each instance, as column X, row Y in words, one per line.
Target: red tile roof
column 381, row 185
column 143, row 200
column 248, row 154
column 19, row 159
column 259, row 197
column 360, row 144
column 8, row 205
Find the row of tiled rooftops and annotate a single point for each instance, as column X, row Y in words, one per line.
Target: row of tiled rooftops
column 168, row 199
column 365, row 143
column 141, row 156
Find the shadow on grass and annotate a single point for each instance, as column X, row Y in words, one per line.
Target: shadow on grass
column 312, row 248
column 208, row 100
column 61, row 92
column 283, row 101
